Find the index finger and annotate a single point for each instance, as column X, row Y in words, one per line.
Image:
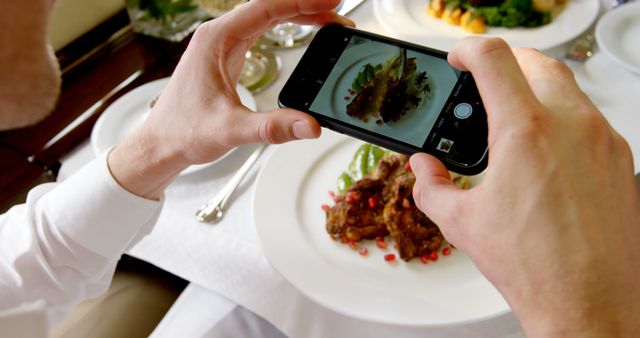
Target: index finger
column 506, row 95
column 257, row 16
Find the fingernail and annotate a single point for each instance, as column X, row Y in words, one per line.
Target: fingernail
column 302, row 129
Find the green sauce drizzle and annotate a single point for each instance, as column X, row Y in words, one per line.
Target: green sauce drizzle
column 363, row 163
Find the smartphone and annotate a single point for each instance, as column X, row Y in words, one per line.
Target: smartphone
column 397, row 95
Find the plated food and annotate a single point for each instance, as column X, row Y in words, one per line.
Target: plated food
column 475, row 15
column 408, row 20
column 375, row 200
column 388, row 91
column 294, row 240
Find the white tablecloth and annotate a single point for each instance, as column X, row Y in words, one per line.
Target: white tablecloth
column 224, row 262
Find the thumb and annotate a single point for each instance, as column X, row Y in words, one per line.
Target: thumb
column 434, row 192
column 278, row 126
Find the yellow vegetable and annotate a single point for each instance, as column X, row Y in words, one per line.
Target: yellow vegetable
column 452, row 16
column 434, row 13
column 474, row 25
column 543, row 6
column 437, row 5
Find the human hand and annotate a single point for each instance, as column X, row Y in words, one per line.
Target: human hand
column 555, row 222
column 199, row 116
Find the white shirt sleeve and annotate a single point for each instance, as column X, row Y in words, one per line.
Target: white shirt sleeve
column 62, row 246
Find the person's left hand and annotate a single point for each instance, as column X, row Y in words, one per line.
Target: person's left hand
column 199, row 116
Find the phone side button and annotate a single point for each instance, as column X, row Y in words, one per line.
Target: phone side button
column 462, row 110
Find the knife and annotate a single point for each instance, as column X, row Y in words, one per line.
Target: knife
column 346, row 6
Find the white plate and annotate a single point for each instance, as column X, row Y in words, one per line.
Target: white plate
column 618, row 35
column 408, row 20
column 413, row 128
column 130, row 110
column 290, row 223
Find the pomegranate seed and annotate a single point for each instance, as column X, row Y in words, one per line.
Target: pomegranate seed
column 390, row 257
column 325, row 207
column 344, row 240
column 434, row 256
column 351, row 197
column 346, row 98
column 363, row 251
column 379, row 238
column 424, row 259
column 337, row 198
column 381, row 244
column 353, row 245
column 407, row 166
column 446, row 251
column 372, row 202
column 406, row 204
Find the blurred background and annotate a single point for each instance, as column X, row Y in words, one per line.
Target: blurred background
column 72, row 18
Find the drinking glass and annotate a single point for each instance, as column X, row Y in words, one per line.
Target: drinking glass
column 171, row 20
column 217, row 8
column 287, row 35
column 261, row 66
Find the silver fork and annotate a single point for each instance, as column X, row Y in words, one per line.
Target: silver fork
column 582, row 48
column 213, row 211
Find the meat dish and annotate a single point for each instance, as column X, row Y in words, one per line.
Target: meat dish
column 381, row 204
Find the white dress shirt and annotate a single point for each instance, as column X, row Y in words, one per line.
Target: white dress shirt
column 62, row 247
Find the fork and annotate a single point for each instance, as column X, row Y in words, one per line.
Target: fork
column 213, row 211
column 582, row 48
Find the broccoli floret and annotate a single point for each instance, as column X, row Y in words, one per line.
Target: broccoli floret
column 520, row 5
column 513, row 13
column 512, row 18
column 491, row 15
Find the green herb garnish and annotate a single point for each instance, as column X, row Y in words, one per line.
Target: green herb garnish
column 162, row 9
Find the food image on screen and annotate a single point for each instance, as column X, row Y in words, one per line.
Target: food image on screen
column 388, row 91
column 380, row 204
column 382, row 88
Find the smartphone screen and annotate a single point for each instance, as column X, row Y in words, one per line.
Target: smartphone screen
column 405, row 97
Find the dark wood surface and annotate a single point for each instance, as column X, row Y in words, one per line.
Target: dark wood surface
column 93, row 66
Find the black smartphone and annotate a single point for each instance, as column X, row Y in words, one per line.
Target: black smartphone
column 398, row 95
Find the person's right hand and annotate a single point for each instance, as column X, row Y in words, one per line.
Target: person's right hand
column 555, row 222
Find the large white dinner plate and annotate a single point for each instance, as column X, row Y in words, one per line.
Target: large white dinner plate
column 129, row 111
column 408, row 20
column 290, row 189
column 618, row 35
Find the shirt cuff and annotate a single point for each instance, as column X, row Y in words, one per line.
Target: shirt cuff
column 93, row 210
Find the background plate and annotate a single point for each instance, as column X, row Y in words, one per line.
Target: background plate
column 618, row 35
column 290, row 190
column 408, row 20
column 129, row 111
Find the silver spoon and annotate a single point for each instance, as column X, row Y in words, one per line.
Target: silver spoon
column 213, row 211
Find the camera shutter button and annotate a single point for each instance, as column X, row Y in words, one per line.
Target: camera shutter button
column 462, row 110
